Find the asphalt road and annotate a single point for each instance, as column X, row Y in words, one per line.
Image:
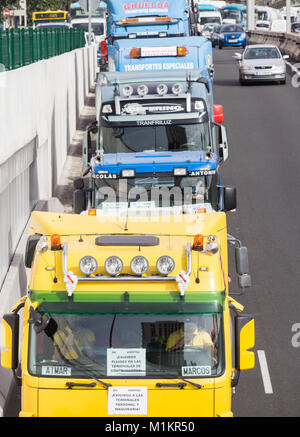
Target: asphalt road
column 263, row 123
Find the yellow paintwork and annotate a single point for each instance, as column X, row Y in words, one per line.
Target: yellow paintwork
column 247, row 342
column 49, row 396
column 6, row 341
column 173, row 242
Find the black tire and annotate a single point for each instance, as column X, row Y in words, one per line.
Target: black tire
column 220, row 47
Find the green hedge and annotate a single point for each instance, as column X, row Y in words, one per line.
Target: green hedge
column 20, row 47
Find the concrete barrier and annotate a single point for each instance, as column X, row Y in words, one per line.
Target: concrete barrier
column 288, row 43
column 39, row 108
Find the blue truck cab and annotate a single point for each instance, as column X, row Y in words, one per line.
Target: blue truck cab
column 154, row 133
column 160, row 55
column 129, row 19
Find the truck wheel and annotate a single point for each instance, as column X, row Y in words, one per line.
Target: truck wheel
column 220, row 47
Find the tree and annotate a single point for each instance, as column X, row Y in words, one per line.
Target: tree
column 9, row 4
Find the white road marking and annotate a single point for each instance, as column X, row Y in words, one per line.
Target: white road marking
column 265, row 372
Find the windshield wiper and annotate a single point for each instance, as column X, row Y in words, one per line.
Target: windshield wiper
column 77, row 384
column 181, row 385
column 191, row 382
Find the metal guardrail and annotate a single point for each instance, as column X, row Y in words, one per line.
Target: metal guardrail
column 20, row 47
column 288, row 43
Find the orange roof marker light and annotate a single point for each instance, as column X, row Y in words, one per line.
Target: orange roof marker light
column 198, row 242
column 55, row 242
column 92, row 212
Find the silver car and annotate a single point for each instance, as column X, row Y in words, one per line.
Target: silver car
column 261, row 62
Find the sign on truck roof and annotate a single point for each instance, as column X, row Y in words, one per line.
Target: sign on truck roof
column 121, row 9
column 141, row 55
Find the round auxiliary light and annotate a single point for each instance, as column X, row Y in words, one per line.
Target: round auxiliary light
column 139, row 265
column 113, row 265
column 177, row 88
column 162, row 89
column 127, row 90
column 88, row 265
column 165, row 265
column 142, row 90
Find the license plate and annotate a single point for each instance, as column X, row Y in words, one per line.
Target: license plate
column 263, row 73
column 233, row 40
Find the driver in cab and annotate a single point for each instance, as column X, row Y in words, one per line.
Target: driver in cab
column 190, row 336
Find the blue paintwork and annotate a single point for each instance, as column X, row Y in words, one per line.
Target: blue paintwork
column 122, row 9
column 156, row 162
column 199, row 56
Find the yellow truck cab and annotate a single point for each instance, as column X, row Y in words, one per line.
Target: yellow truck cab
column 129, row 317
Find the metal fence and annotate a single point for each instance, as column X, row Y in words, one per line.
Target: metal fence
column 20, row 47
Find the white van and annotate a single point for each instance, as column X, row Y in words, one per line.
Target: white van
column 98, row 26
column 208, row 17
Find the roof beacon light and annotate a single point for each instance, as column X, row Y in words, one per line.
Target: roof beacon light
column 55, row 242
column 135, row 53
column 198, row 242
column 162, row 89
column 92, row 212
column 182, row 51
column 142, row 90
column 127, row 90
column 177, row 88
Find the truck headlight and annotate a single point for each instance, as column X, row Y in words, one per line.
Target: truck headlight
column 165, row 265
column 88, row 265
column 113, row 265
column 139, row 265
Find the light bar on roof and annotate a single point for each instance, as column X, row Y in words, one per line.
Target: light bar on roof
column 148, row 52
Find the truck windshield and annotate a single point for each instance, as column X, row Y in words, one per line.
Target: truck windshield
column 97, row 28
column 156, row 192
column 159, row 138
column 205, row 20
column 129, row 345
column 232, row 14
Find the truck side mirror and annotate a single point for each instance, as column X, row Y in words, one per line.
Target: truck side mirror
column 87, row 142
column 229, row 198
column 223, row 144
column 32, row 241
column 10, row 341
column 245, row 340
column 242, row 267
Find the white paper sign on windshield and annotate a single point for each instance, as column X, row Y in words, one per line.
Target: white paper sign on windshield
column 127, row 400
column 126, row 362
